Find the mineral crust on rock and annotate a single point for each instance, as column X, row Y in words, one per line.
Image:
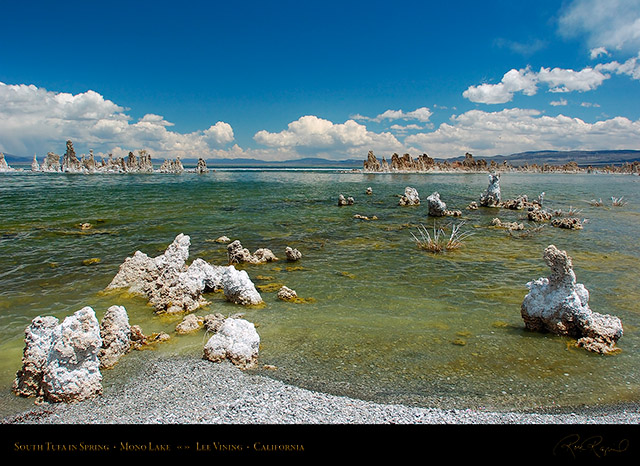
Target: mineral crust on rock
column 172, row 166
column 237, row 341
column 202, row 166
column 437, row 207
column 4, row 166
column 190, row 323
column 115, row 332
column 38, row 341
column 342, row 201
column 496, row 222
column 491, row 196
column 165, row 280
column 238, row 287
column 569, row 223
column 410, row 197
column 292, row 254
column 61, row 360
column 72, row 371
column 238, row 254
column 51, row 163
column 558, row 304
column 539, row 215
column 287, row 294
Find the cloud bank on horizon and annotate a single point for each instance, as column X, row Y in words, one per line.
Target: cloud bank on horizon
column 34, row 120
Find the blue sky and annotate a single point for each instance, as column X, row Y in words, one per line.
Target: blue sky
column 280, row 80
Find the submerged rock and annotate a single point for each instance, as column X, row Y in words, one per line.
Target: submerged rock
column 287, row 294
column 342, row 201
column 570, row 223
column 558, row 304
column 236, row 340
column 410, row 197
column 364, row 217
column 491, row 196
column 539, row 215
column 292, row 254
column 190, row 323
column 238, row 255
column 496, row 222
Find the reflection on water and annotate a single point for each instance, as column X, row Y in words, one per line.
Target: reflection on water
column 387, row 322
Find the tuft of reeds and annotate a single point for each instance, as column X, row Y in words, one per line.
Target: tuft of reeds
column 570, row 212
column 596, row 203
column 617, row 201
column 437, row 241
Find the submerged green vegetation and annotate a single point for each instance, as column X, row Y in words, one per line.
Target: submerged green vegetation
column 381, row 318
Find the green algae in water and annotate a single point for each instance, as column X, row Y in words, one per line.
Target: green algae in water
column 385, row 314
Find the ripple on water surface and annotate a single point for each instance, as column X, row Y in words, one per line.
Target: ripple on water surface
column 382, row 320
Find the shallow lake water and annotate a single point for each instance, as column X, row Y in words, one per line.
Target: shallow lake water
column 386, row 321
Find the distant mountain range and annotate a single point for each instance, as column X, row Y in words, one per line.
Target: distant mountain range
column 582, row 158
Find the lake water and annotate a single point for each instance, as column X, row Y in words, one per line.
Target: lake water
column 388, row 322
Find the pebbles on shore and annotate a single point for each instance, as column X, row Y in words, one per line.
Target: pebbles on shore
column 187, row 390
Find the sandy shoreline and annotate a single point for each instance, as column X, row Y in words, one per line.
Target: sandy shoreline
column 186, row 390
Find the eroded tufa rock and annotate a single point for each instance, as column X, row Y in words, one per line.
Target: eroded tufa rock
column 559, row 305
column 491, row 196
column 238, row 287
column 287, row 294
column 238, row 255
column 410, row 197
column 342, row 201
column 235, row 340
column 61, row 360
column 292, row 254
column 190, row 323
column 115, row 332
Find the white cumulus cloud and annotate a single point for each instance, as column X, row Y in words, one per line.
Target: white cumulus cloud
column 517, row 130
column 527, row 82
column 35, row 120
column 422, row 114
column 614, row 24
column 513, row 81
column 310, row 133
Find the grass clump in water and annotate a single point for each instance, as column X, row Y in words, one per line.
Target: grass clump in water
column 439, row 241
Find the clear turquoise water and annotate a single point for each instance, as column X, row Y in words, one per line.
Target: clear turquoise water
column 388, row 322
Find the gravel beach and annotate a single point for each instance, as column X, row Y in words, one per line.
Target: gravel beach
column 183, row 390
column 189, row 407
